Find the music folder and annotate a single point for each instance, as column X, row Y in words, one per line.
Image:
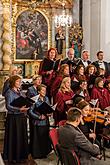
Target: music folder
column 22, row 101
column 44, row 108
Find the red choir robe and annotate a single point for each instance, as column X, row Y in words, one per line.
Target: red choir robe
column 55, row 86
column 62, row 107
column 48, row 65
column 102, row 95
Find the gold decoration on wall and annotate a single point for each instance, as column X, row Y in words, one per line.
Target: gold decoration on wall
column 76, row 37
column 1, row 31
column 6, row 35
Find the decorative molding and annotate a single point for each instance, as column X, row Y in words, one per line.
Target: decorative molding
column 1, row 31
column 6, row 35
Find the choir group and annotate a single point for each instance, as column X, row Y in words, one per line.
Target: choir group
column 68, row 83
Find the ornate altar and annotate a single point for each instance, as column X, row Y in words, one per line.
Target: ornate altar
column 29, row 31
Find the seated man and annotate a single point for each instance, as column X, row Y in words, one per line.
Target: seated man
column 71, row 137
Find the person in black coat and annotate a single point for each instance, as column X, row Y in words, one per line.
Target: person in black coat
column 100, row 63
column 84, row 59
column 71, row 137
column 71, row 61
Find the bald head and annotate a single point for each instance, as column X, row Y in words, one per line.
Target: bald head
column 71, row 53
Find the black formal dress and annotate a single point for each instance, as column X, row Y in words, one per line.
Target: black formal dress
column 16, row 137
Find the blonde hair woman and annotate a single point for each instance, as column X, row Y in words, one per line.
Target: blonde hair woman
column 63, row 72
column 63, row 100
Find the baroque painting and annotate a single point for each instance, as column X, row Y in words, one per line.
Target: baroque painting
column 31, row 36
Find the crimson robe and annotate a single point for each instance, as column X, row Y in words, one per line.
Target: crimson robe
column 102, row 95
column 62, row 107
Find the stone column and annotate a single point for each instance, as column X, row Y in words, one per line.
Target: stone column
column 53, row 27
column 6, row 34
column 1, row 30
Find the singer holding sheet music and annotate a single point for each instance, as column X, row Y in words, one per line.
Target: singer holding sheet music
column 63, row 100
column 49, row 67
column 100, row 93
column 40, row 145
column 16, row 139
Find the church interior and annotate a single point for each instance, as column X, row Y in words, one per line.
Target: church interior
column 53, row 54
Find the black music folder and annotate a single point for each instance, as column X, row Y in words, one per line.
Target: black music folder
column 44, row 108
column 22, row 101
column 50, row 65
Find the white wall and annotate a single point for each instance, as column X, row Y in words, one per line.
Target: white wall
column 96, row 25
column 105, row 28
column 86, row 24
column 76, row 11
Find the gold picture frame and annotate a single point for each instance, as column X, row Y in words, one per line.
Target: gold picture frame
column 30, row 42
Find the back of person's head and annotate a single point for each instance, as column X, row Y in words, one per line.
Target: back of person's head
column 77, row 99
column 13, row 79
column 82, row 104
column 73, row 114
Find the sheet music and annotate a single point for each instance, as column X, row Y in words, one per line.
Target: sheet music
column 93, row 101
column 35, row 98
column 54, row 106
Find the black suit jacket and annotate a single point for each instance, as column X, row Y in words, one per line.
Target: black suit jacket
column 72, row 138
column 106, row 66
column 72, row 64
column 81, row 63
